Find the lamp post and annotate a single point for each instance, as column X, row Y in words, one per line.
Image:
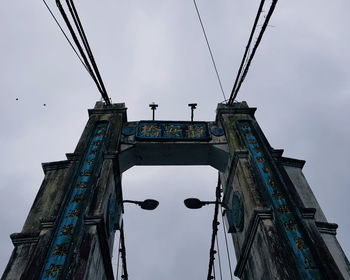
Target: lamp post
column 195, row 203
column 147, row 204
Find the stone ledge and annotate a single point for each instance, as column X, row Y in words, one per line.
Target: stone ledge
column 24, row 237
column 277, row 153
column 258, row 216
column 49, row 166
column 292, row 162
column 93, row 220
column 232, row 110
column 101, row 108
column 327, row 228
column 47, row 222
column 73, row 156
column 308, row 213
column 113, row 155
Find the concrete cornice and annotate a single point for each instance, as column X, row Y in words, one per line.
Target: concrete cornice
column 277, row 153
column 236, row 108
column 47, row 222
column 308, row 213
column 108, row 109
column 292, row 162
column 24, row 237
column 54, row 165
column 73, row 156
column 327, row 228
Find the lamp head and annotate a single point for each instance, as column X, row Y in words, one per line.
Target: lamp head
column 193, row 203
column 149, row 204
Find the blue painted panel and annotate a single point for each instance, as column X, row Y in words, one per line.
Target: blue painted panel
column 128, row 130
column 283, row 213
column 181, row 131
column 235, row 213
column 217, row 131
column 67, row 227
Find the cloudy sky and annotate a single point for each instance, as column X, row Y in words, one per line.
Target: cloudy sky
column 153, row 50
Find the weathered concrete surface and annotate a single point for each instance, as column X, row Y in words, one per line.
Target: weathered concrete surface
column 260, row 243
column 261, row 248
column 90, row 255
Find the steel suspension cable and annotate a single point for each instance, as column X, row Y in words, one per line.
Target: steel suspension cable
column 227, row 250
column 65, row 35
column 256, row 20
column 82, row 33
column 77, row 43
column 238, row 85
column 219, row 257
column 215, row 229
column 209, row 48
column 263, row 28
column 82, row 53
column 123, row 253
column 118, row 259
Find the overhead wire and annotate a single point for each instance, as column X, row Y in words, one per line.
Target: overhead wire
column 209, row 48
column 219, row 257
column 117, row 274
column 123, row 253
column 212, row 251
column 247, row 48
column 88, row 62
column 241, row 75
column 226, row 243
column 65, row 35
column 214, row 275
column 81, row 31
column 77, row 43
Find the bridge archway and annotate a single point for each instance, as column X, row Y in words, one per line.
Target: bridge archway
column 277, row 226
column 203, row 148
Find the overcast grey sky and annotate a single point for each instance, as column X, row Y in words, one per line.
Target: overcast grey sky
column 153, row 50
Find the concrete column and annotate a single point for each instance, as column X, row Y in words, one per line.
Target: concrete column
column 70, row 229
column 271, row 209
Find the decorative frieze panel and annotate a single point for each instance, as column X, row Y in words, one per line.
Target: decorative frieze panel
column 284, row 213
column 175, row 131
column 70, row 221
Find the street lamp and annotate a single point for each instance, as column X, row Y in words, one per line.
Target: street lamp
column 147, row 204
column 195, row 203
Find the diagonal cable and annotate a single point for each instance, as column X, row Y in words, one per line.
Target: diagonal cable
column 212, row 251
column 226, row 243
column 219, row 257
column 119, row 251
column 209, row 48
column 256, row 20
column 88, row 59
column 123, row 253
column 241, row 75
column 77, row 43
column 65, row 35
column 81, row 31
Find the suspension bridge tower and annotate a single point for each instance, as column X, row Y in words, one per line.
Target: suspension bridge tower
column 278, row 229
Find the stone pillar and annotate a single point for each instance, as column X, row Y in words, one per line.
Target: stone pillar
column 70, row 229
column 278, row 229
